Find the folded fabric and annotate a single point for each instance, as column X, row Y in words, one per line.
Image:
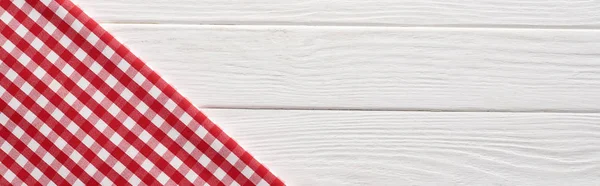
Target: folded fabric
column 78, row 108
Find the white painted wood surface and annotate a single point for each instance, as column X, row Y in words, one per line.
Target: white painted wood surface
column 572, row 13
column 518, row 81
column 374, row 68
column 420, row 148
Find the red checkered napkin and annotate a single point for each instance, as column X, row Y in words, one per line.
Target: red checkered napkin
column 77, row 107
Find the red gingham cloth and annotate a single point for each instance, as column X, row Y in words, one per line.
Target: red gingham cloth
column 78, row 108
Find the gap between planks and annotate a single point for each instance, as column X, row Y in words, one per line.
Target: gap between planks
column 359, row 25
column 550, row 111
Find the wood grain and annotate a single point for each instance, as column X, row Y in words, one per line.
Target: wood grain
column 558, row 13
column 374, row 68
column 419, row 148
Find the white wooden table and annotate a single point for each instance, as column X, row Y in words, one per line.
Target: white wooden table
column 388, row 92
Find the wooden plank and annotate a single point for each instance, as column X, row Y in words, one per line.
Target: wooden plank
column 572, row 13
column 419, row 148
column 374, row 68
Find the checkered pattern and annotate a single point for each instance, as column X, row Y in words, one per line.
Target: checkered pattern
column 78, row 108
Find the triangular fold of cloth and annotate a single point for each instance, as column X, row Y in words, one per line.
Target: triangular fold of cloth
column 78, row 108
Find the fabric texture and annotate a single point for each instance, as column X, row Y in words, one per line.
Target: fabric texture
column 78, row 108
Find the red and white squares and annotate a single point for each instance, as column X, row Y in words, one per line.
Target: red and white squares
column 76, row 107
